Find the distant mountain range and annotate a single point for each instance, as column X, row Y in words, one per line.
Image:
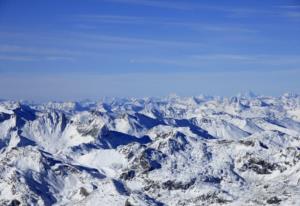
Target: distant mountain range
column 186, row 151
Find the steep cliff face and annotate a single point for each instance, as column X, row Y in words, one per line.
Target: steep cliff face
column 174, row 151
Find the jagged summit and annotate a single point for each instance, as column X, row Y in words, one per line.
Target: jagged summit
column 203, row 150
column 248, row 95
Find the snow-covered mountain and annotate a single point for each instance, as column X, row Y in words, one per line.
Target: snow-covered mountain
column 243, row 150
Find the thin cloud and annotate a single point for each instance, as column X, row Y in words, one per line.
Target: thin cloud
column 24, row 53
column 231, row 11
column 194, row 60
column 234, row 11
column 135, row 42
column 155, row 3
column 35, row 50
column 117, row 19
column 88, row 45
column 293, row 14
column 17, row 58
column 289, row 7
column 234, row 59
column 223, row 57
column 291, row 11
column 59, row 58
column 20, row 58
column 28, row 54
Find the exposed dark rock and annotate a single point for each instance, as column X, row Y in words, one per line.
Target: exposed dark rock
column 259, row 166
column 149, row 159
column 172, row 185
column 263, row 145
column 205, row 199
column 152, row 186
column 83, row 192
column 143, row 198
column 274, row 200
column 94, row 131
column 174, row 144
column 128, row 175
column 212, row 179
column 15, row 202
column 127, row 203
column 247, row 142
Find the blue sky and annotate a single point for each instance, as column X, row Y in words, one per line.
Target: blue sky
column 77, row 49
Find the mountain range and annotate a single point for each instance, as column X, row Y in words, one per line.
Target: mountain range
column 183, row 151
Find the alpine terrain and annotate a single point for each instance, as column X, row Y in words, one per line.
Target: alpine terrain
column 203, row 150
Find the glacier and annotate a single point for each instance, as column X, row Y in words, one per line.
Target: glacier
column 203, row 150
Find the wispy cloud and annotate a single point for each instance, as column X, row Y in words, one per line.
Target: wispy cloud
column 195, row 60
column 238, row 57
column 185, row 5
column 289, row 6
column 58, row 58
column 28, row 54
column 72, row 46
column 17, row 58
column 291, row 11
column 117, row 19
column 133, row 42
column 26, row 58
column 155, row 3
column 293, row 14
column 259, row 61
column 233, row 11
column 180, row 5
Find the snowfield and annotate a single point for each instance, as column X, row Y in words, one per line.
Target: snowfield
column 186, row 151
